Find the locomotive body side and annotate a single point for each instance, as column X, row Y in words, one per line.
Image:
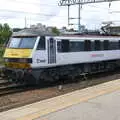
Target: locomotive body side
column 76, row 56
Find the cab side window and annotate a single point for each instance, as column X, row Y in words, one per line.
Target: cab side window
column 41, row 44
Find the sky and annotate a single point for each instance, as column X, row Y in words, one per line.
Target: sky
column 49, row 13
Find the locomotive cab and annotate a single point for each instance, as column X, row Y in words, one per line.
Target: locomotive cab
column 18, row 53
column 18, row 57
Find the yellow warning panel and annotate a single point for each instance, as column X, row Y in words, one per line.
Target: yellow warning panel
column 17, row 53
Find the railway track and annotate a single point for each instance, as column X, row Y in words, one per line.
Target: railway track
column 7, row 87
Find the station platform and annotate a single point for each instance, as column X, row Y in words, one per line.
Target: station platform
column 93, row 103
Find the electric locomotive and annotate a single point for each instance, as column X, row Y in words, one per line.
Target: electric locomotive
column 32, row 56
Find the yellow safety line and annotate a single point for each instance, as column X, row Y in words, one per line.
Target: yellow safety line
column 61, row 102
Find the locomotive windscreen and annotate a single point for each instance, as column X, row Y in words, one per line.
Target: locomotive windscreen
column 22, row 42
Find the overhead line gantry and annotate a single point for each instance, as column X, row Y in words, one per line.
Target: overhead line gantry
column 79, row 3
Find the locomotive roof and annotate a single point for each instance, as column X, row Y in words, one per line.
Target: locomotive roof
column 90, row 35
column 32, row 32
column 37, row 32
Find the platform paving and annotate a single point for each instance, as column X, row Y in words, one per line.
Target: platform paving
column 105, row 107
column 93, row 102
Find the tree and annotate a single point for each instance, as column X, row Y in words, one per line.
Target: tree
column 55, row 31
column 5, row 33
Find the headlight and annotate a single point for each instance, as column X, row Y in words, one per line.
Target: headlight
column 6, row 60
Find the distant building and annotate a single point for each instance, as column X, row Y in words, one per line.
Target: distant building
column 82, row 28
column 114, row 30
column 39, row 26
column 110, row 27
column 63, row 30
column 49, row 28
column 32, row 26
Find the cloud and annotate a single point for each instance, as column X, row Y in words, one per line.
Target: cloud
column 32, row 10
column 48, row 12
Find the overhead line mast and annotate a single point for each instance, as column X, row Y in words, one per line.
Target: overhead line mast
column 79, row 3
